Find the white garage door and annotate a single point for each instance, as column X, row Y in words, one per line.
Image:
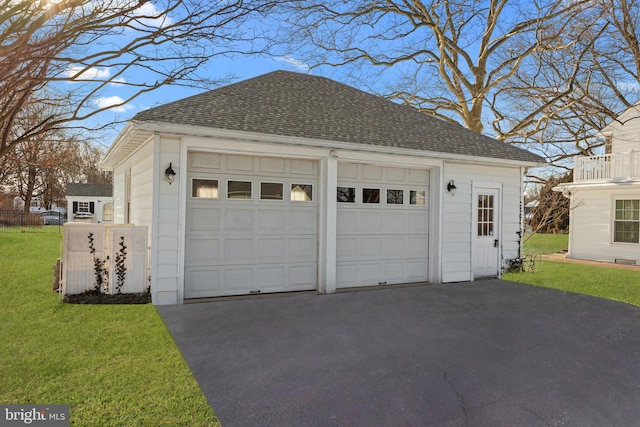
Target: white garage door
column 251, row 225
column 383, row 222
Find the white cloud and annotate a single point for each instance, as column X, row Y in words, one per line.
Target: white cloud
column 628, row 87
column 299, row 65
column 148, row 10
column 112, row 102
column 81, row 73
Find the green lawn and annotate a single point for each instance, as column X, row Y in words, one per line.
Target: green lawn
column 115, row 365
column 603, row 282
column 545, row 243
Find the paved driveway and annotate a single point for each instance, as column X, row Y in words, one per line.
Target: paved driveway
column 488, row 353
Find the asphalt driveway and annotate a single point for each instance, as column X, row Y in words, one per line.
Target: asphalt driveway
column 488, row 353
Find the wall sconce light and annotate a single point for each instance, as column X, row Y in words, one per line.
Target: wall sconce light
column 451, row 188
column 170, row 174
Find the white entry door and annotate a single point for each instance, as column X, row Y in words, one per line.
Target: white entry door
column 487, row 233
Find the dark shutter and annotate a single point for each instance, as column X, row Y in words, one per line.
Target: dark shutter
column 75, row 207
column 92, row 207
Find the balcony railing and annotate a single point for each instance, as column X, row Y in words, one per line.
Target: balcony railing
column 607, row 167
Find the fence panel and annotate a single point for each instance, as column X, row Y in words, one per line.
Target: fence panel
column 29, row 222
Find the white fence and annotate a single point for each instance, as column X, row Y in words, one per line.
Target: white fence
column 607, row 167
column 114, row 255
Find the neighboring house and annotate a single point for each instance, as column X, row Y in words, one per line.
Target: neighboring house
column 604, row 219
column 90, row 202
column 36, row 205
column 289, row 182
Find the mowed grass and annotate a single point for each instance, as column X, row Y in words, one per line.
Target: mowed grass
column 604, row 282
column 115, row 365
column 545, row 243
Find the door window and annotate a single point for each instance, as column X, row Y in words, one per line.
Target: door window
column 485, row 215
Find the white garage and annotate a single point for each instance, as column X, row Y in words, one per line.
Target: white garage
column 251, row 225
column 382, row 226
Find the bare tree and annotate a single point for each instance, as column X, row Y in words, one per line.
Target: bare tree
column 65, row 53
column 449, row 58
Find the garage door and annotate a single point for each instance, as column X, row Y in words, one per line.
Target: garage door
column 383, row 222
column 251, row 225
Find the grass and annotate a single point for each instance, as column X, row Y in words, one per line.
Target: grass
column 114, row 365
column 545, row 243
column 604, row 282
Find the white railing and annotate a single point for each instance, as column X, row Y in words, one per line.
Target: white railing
column 607, row 167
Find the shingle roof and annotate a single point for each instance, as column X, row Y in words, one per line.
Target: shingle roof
column 301, row 105
column 89, row 190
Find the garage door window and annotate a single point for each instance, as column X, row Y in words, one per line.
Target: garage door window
column 417, row 197
column 239, row 190
column 395, row 197
column 346, row 195
column 271, row 190
column 301, row 192
column 204, row 188
column 370, row 195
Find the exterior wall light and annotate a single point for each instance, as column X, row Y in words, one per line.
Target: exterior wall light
column 451, row 188
column 170, row 174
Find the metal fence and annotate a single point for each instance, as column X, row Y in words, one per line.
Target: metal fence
column 28, row 222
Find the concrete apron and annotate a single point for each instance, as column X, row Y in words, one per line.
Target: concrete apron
column 481, row 353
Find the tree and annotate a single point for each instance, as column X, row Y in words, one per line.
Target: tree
column 452, row 57
column 65, row 53
column 552, row 213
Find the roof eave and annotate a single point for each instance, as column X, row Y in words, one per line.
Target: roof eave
column 207, row 132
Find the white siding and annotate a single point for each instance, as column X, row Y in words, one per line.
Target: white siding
column 625, row 132
column 457, row 223
column 592, row 225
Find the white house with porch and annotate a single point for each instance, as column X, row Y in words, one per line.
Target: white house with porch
column 290, row 182
column 605, row 196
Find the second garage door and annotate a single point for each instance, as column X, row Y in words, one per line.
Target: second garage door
column 383, row 223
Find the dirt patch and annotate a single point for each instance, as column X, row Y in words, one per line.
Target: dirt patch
column 92, row 297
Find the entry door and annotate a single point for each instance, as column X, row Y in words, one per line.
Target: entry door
column 487, row 233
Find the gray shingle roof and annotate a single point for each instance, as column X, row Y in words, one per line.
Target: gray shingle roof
column 301, row 105
column 89, row 190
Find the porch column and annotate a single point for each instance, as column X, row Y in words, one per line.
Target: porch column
column 328, row 226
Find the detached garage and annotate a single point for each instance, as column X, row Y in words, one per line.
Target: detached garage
column 289, row 182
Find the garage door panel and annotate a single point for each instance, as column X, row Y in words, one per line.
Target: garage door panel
column 303, row 249
column 347, row 221
column 303, row 276
column 238, row 251
column 272, row 250
column 385, row 242
column 347, row 248
column 370, row 248
column 203, row 218
column 238, row 220
column 303, row 221
column 203, row 251
column 272, row 221
column 242, row 246
column 201, row 282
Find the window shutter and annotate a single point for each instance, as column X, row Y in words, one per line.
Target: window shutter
column 92, row 207
column 75, row 207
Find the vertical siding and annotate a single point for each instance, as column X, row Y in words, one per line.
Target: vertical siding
column 592, row 226
column 457, row 235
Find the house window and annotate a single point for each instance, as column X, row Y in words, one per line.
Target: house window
column 271, row 190
column 107, row 212
column 83, row 207
column 370, row 195
column 346, row 195
column 301, row 192
column 627, row 221
column 204, row 188
column 485, row 215
column 417, row 197
column 239, row 190
column 395, row 197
